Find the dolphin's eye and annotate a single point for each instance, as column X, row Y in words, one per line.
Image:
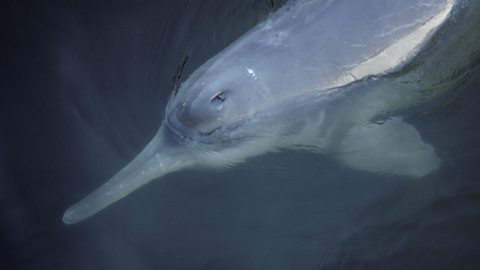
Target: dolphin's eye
column 218, row 97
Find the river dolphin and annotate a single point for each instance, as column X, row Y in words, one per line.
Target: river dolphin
column 318, row 75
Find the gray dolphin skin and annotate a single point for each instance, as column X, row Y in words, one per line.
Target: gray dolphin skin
column 316, row 75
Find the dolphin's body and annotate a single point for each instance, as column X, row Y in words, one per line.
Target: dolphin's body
column 321, row 75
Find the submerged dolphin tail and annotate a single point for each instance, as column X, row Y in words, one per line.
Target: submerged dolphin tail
column 156, row 160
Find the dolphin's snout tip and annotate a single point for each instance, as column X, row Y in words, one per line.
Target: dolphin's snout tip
column 74, row 214
column 67, row 217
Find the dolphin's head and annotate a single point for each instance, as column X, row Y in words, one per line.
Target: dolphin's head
column 211, row 106
column 210, row 114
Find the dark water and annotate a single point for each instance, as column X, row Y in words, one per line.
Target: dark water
column 83, row 88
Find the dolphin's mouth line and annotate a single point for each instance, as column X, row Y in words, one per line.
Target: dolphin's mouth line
column 181, row 134
column 229, row 127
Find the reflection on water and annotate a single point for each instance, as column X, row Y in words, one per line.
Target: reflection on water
column 85, row 89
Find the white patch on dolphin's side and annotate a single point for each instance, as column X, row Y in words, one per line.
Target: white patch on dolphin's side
column 398, row 52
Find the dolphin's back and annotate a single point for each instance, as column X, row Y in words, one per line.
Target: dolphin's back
column 317, row 45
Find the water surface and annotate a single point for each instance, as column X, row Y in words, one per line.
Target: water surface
column 83, row 90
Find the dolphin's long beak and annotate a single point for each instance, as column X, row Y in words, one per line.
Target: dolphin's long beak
column 158, row 158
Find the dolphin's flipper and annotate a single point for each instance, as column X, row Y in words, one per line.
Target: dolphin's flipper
column 390, row 147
